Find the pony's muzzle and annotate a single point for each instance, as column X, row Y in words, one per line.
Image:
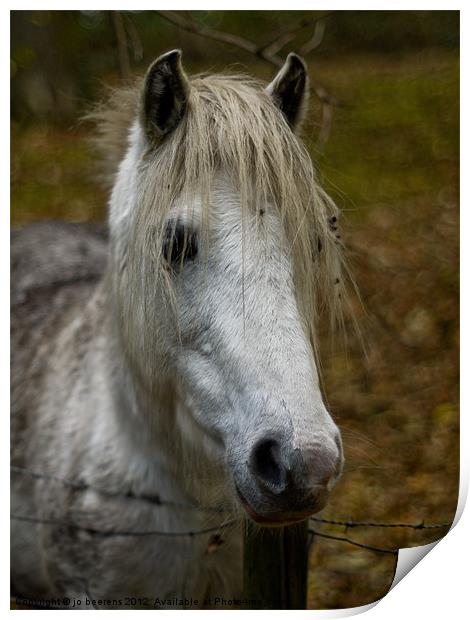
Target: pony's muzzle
column 289, row 484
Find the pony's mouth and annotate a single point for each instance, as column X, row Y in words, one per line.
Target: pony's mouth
column 278, row 520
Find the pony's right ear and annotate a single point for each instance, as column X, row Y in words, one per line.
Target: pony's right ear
column 289, row 90
column 165, row 95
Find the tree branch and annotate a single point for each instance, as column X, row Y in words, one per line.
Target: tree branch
column 224, row 37
column 134, row 38
column 281, row 40
column 121, row 39
column 316, row 39
column 267, row 52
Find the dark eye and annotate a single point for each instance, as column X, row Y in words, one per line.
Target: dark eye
column 179, row 245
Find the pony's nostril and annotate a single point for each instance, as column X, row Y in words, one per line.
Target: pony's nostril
column 266, row 464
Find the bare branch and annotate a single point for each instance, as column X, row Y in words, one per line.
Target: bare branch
column 121, row 39
column 325, row 129
column 267, row 52
column 134, row 39
column 271, row 49
column 185, row 24
column 278, row 42
column 316, row 40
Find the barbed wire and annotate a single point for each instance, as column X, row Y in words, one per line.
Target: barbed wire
column 157, row 501
column 351, row 524
column 353, row 542
column 80, row 485
column 119, row 533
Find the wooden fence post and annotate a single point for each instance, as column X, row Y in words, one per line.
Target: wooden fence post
column 275, row 566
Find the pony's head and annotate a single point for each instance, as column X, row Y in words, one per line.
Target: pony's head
column 222, row 253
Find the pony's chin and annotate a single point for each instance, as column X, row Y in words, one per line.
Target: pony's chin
column 280, row 520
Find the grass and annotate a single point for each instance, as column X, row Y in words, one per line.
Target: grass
column 396, row 138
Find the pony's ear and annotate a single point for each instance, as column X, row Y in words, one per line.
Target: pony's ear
column 165, row 95
column 289, row 90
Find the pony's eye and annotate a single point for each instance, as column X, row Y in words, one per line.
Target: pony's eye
column 179, row 245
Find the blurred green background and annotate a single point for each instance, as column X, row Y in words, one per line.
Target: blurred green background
column 389, row 155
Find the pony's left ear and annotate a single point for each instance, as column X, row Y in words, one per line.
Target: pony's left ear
column 289, row 90
column 165, row 95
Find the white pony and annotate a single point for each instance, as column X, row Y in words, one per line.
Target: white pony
column 180, row 391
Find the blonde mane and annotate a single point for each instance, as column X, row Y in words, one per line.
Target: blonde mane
column 233, row 125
